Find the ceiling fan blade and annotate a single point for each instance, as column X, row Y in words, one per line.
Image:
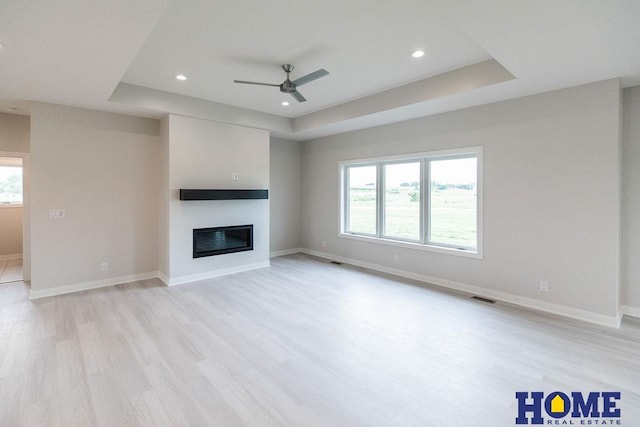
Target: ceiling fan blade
column 255, row 83
column 298, row 96
column 310, row 77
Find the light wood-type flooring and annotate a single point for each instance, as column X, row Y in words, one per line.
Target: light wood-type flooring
column 10, row 270
column 303, row 343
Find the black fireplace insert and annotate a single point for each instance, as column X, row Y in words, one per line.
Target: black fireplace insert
column 222, row 240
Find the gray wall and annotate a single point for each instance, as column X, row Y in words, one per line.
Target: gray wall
column 631, row 200
column 551, row 195
column 286, row 195
column 102, row 169
column 11, row 218
column 14, row 133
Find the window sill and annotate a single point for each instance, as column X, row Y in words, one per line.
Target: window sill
column 10, row 205
column 418, row 246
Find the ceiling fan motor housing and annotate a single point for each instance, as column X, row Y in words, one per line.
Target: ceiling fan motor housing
column 287, row 87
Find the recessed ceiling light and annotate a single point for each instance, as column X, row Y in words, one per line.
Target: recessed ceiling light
column 285, row 103
column 418, row 54
column 181, row 77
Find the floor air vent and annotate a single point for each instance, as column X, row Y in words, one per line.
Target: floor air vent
column 336, row 263
column 487, row 300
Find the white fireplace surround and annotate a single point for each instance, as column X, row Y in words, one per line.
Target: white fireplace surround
column 204, row 154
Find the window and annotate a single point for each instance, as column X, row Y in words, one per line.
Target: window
column 361, row 199
column 10, row 181
column 453, row 202
column 402, row 200
column 430, row 200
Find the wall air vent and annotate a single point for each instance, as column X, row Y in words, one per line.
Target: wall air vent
column 487, row 300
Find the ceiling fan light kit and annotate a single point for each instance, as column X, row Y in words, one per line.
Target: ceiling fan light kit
column 288, row 86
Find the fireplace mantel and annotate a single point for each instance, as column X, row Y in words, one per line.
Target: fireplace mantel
column 191, row 194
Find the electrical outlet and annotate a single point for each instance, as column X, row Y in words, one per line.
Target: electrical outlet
column 544, row 286
column 396, row 258
column 235, row 176
column 324, row 244
column 56, row 213
column 104, row 266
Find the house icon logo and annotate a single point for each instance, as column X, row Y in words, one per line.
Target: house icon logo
column 557, row 405
column 596, row 407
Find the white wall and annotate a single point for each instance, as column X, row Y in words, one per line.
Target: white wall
column 285, row 195
column 203, row 155
column 102, row 168
column 11, row 230
column 551, row 196
column 164, row 195
column 631, row 200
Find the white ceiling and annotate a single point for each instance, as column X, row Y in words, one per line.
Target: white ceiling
column 365, row 45
column 70, row 52
column 77, row 52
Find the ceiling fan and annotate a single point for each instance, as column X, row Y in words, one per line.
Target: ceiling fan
column 289, row 86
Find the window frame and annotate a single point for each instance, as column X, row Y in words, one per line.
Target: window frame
column 345, row 190
column 424, row 159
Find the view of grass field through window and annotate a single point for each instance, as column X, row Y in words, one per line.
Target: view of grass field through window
column 11, row 184
column 453, row 208
column 451, row 212
column 402, row 200
column 362, row 199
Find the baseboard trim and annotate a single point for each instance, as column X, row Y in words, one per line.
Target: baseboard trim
column 561, row 310
column 285, row 252
column 180, row 280
column 85, row 286
column 10, row 257
column 627, row 310
column 163, row 278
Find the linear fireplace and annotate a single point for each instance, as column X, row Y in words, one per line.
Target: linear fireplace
column 222, row 240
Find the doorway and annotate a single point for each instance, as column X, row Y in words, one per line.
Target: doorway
column 11, row 219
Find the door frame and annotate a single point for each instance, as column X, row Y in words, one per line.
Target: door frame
column 26, row 211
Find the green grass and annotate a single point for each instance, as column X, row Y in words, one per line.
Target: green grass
column 402, row 213
column 362, row 210
column 453, row 215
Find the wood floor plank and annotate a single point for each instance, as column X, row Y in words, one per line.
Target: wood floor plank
column 303, row 343
column 10, row 270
